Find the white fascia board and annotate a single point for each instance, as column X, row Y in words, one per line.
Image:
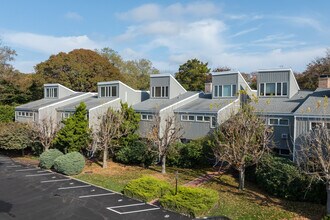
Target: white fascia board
column 183, row 100
column 274, row 70
column 84, row 94
column 59, row 85
column 106, row 103
column 311, row 116
column 274, row 114
column 224, row 73
column 236, row 100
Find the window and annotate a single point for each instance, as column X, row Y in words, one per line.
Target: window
column 262, row 89
column 220, row 91
column 279, row 89
column 25, row 114
column 316, row 125
column 233, row 91
column 216, row 91
column 159, row 91
column 199, row 118
column 270, row 89
column 207, row 118
column 147, row 117
column 226, row 90
column 273, row 89
column 278, row 121
column 184, row 117
column 191, row 118
column 66, row 115
column 108, row 91
column 213, row 122
column 285, row 89
column 51, row 92
column 284, row 136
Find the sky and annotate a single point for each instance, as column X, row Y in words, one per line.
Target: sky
column 243, row 35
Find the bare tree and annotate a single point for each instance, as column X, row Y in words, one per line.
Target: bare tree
column 112, row 128
column 44, row 132
column 313, row 155
column 242, row 140
column 164, row 133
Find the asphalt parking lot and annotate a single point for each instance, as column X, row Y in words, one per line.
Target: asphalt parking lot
column 28, row 192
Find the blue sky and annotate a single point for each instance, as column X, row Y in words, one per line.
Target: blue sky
column 244, row 35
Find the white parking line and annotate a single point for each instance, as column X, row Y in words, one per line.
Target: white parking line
column 15, row 166
column 73, row 187
column 96, row 195
column 142, row 210
column 50, row 181
column 43, row 171
column 129, row 212
column 41, row 174
column 29, row 169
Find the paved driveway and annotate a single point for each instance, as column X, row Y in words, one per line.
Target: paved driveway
column 27, row 192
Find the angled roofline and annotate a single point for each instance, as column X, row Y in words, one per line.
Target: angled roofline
column 64, row 100
column 280, row 70
column 57, row 84
column 120, row 82
column 224, row 73
column 98, row 106
column 236, row 100
column 168, row 75
column 192, row 96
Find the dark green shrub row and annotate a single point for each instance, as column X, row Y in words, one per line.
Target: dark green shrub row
column 48, row 157
column 70, row 164
column 135, row 152
column 196, row 153
column 280, row 177
column 191, row 201
column 147, row 188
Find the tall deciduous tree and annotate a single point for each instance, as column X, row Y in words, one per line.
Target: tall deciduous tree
column 75, row 135
column 164, row 133
column 44, row 132
column 115, row 125
column 136, row 72
column 242, row 140
column 192, row 75
column 313, row 155
column 79, row 69
column 308, row 80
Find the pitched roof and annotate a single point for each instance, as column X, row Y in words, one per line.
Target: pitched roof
column 205, row 104
column 281, row 105
column 35, row 105
column 315, row 104
column 154, row 105
column 91, row 102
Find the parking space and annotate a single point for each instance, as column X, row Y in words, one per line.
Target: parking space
column 28, row 192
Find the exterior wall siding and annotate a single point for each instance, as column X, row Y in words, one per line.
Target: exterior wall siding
column 175, row 88
column 225, row 113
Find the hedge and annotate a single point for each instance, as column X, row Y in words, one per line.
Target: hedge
column 147, row 188
column 191, row 201
column 48, row 157
column 70, row 164
column 280, row 177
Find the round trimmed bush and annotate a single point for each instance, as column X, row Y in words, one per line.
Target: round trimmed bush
column 70, row 164
column 48, row 157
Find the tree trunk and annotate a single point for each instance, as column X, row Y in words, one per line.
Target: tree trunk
column 241, row 178
column 105, row 158
column 328, row 198
column 163, row 161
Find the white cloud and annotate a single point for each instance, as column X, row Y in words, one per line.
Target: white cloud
column 48, row 44
column 246, row 31
column 73, row 16
column 152, row 12
column 304, row 22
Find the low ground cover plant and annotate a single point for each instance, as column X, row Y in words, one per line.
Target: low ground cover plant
column 70, row 164
column 48, row 157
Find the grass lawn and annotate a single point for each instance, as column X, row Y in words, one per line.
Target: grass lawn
column 252, row 203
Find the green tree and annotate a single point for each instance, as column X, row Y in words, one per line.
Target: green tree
column 136, row 72
column 308, row 80
column 79, row 69
column 14, row 136
column 7, row 113
column 114, row 126
column 75, row 135
column 192, row 75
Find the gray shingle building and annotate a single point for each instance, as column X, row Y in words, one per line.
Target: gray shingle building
column 290, row 111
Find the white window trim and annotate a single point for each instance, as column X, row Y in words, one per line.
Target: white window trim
column 51, row 92
column 275, row 94
column 108, row 91
column 211, row 125
column 222, row 89
column 321, row 122
column 147, row 117
column 26, row 114
column 200, row 116
column 278, row 122
column 162, row 92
